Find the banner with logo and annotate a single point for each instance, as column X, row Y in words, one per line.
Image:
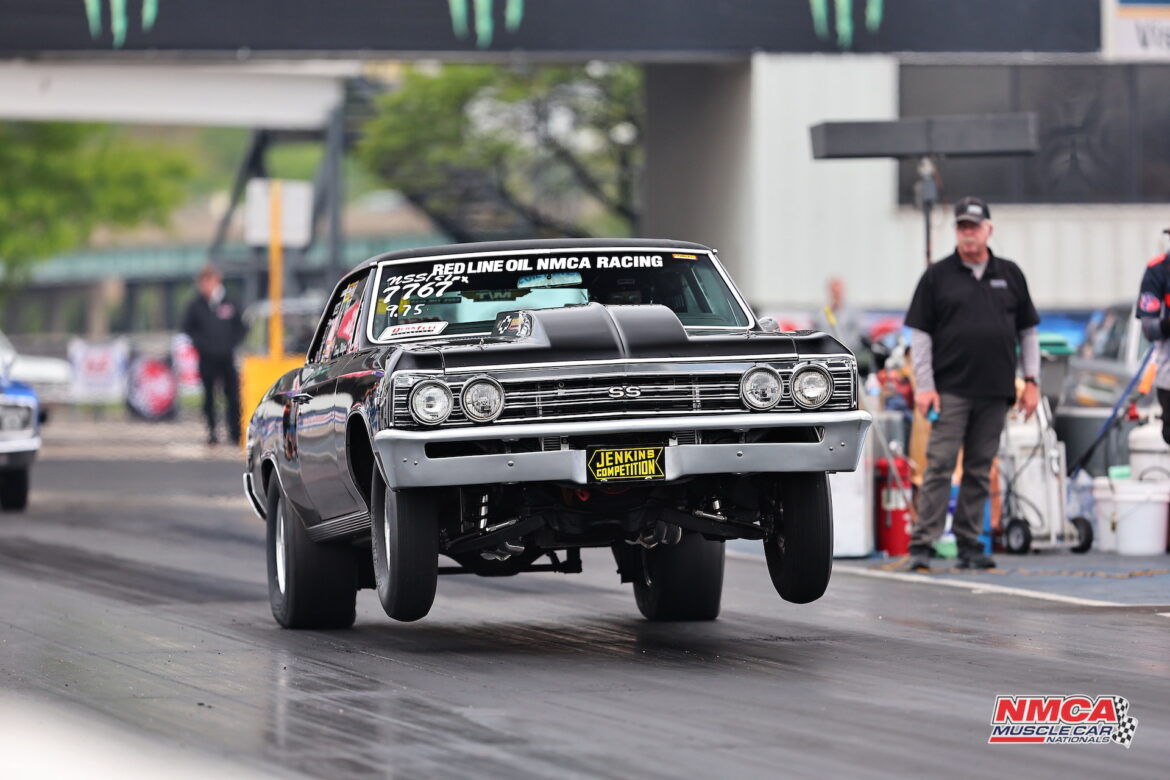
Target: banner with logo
column 99, row 370
column 1139, row 29
column 185, row 360
column 152, row 391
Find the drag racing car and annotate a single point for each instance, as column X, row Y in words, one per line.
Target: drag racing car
column 20, row 438
column 503, row 405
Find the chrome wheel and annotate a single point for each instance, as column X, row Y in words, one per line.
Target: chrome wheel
column 281, row 550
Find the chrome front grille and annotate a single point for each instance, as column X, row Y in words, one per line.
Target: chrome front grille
column 609, row 396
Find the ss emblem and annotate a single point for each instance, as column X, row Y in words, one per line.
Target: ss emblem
column 627, row 391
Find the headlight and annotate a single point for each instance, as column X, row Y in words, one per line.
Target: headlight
column 15, row 418
column 483, row 399
column 430, row 402
column 811, row 387
column 761, row 388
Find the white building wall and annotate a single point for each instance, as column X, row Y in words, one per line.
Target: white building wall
column 813, row 219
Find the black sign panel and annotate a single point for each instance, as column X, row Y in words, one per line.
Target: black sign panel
column 605, row 27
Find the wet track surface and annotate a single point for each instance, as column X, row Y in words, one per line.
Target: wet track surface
column 133, row 591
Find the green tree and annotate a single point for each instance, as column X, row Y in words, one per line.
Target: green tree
column 488, row 151
column 60, row 181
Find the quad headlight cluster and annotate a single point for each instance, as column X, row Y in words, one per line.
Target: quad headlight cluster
column 762, row 388
column 431, row 401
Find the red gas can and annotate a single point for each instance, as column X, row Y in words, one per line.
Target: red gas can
column 892, row 505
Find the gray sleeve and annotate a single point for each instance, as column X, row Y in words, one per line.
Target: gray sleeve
column 1030, row 352
column 921, row 347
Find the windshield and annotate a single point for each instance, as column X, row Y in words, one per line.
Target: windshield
column 463, row 294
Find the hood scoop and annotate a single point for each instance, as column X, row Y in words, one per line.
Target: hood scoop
column 613, row 331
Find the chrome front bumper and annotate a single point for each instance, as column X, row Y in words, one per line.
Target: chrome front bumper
column 404, row 462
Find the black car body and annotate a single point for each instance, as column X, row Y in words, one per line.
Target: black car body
column 505, row 402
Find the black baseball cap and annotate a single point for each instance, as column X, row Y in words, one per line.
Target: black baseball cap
column 971, row 210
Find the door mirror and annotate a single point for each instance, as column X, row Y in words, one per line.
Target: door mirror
column 768, row 324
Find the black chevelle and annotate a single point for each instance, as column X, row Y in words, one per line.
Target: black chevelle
column 506, row 404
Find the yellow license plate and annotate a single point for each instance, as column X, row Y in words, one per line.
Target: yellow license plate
column 625, row 464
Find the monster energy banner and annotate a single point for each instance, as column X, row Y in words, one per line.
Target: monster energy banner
column 617, row 27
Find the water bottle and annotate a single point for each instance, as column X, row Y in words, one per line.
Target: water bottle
column 1080, row 498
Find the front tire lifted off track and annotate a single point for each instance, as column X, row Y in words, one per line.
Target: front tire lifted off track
column 682, row 581
column 310, row 585
column 800, row 552
column 405, row 535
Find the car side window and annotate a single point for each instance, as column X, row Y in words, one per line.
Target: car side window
column 340, row 335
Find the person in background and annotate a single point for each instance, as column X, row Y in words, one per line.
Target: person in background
column 1153, row 310
column 968, row 313
column 216, row 327
column 850, row 329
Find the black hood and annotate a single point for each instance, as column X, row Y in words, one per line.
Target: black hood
column 597, row 332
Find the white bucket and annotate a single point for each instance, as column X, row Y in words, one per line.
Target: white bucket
column 1149, row 455
column 1142, row 510
column 1104, row 512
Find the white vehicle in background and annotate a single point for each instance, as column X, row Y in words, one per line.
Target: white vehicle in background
column 51, row 378
column 20, row 437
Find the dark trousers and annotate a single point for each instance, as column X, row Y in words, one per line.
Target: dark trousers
column 1164, row 400
column 973, row 425
column 221, row 370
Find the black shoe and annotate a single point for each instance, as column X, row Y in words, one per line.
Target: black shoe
column 917, row 562
column 977, row 561
column 212, row 440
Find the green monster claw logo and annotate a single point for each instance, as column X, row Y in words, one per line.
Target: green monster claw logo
column 484, row 24
column 118, row 18
column 820, row 15
column 461, row 15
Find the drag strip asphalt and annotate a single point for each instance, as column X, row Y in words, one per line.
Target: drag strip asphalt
column 127, row 599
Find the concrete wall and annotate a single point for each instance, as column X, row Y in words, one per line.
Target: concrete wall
column 699, row 157
column 730, row 164
column 284, row 95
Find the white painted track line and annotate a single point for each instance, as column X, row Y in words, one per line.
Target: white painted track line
column 975, row 586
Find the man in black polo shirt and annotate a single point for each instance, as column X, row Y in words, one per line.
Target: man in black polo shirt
column 968, row 312
column 216, row 327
